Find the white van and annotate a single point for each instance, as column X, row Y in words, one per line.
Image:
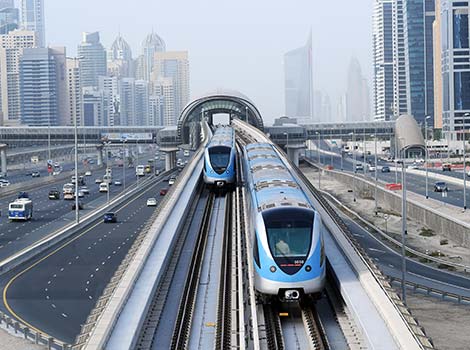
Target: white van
column 104, row 187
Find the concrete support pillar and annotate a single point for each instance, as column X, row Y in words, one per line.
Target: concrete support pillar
column 293, row 155
column 100, row 155
column 170, row 160
column 3, row 158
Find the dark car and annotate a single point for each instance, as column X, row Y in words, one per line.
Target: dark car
column 80, row 205
column 109, row 217
column 35, row 174
column 54, row 194
column 163, row 191
column 385, row 169
column 23, row 195
column 440, row 186
column 446, row 167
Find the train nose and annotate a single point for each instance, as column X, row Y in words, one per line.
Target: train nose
column 291, row 294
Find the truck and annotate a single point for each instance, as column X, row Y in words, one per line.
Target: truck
column 140, row 170
column 20, row 209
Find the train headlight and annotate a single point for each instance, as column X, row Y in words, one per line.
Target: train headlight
column 272, row 269
column 308, row 268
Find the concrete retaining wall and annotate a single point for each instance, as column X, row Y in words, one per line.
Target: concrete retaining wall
column 456, row 230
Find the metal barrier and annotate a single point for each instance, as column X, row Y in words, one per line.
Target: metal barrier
column 19, row 330
column 417, row 288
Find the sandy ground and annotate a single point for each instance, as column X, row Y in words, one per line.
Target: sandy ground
column 450, row 251
column 11, row 342
column 446, row 323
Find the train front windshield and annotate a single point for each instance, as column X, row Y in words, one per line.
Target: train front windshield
column 220, row 158
column 289, row 232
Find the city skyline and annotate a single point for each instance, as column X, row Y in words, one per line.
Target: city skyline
column 214, row 62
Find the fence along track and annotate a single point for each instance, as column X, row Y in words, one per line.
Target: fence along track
column 183, row 321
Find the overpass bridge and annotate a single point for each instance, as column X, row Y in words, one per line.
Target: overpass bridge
column 186, row 277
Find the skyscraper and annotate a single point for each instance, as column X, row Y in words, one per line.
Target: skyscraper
column 9, row 16
column 92, row 56
column 455, row 43
column 163, row 87
column 74, row 94
column 418, row 21
column 141, row 103
column 42, row 86
column 298, row 81
column 390, row 97
column 151, row 45
column 127, row 101
column 357, row 95
column 110, row 88
column 32, row 18
column 437, row 47
column 93, row 106
column 11, row 49
column 119, row 57
column 174, row 65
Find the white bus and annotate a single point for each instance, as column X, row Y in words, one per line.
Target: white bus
column 20, row 209
column 140, row 170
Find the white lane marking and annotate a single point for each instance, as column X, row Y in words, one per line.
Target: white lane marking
column 376, row 250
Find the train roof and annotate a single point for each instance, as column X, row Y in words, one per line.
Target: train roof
column 273, row 184
column 223, row 136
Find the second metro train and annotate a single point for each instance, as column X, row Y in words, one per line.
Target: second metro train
column 220, row 159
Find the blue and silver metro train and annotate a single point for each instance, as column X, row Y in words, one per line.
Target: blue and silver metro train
column 220, row 158
column 286, row 231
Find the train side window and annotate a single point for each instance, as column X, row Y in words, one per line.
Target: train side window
column 256, row 252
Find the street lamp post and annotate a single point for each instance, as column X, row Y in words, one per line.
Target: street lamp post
column 354, row 165
column 319, row 161
column 375, row 168
column 77, row 213
column 404, row 226
column 426, row 152
column 124, row 162
column 464, row 174
column 365, row 152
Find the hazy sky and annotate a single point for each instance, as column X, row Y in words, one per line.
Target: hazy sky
column 232, row 44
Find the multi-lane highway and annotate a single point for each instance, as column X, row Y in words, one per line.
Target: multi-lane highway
column 414, row 183
column 57, row 292
column 389, row 262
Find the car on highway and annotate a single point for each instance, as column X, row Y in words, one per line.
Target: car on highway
column 385, row 169
column 23, row 194
column 186, row 153
column 446, row 167
column 104, row 187
column 4, row 183
column 81, row 194
column 109, row 217
column 359, row 167
column 440, row 186
column 372, row 168
column 85, row 190
column 117, row 183
column 163, row 191
column 35, row 174
column 98, row 181
column 171, row 181
column 80, row 205
column 3, row 175
column 56, row 165
column 54, row 193
column 88, row 173
column 151, row 202
column 69, row 196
